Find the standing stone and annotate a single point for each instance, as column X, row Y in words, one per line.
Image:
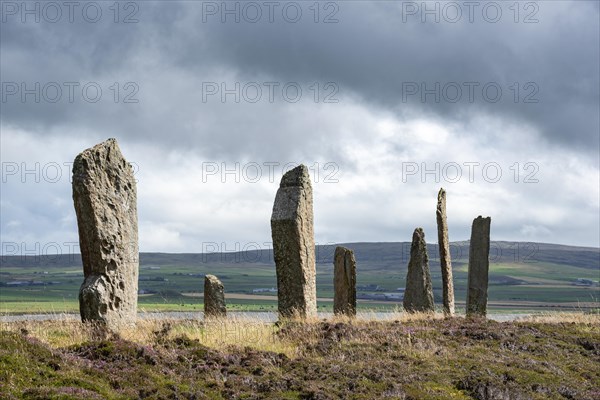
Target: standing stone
column 418, row 295
column 479, row 265
column 445, row 262
column 344, row 282
column 294, row 245
column 214, row 297
column 104, row 194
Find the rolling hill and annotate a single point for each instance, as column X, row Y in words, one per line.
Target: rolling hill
column 523, row 276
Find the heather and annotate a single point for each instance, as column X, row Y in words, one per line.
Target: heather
column 417, row 357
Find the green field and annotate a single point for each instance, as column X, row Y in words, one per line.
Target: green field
column 173, row 282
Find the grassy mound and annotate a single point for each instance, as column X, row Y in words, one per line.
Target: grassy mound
column 414, row 358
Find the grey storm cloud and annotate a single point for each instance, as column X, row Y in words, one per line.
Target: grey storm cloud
column 375, row 58
column 375, row 54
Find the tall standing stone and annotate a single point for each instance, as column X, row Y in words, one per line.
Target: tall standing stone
column 445, row 262
column 344, row 282
column 479, row 265
column 104, row 194
column 418, row 295
column 214, row 297
column 294, row 245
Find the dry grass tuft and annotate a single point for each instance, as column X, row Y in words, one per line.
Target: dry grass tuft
column 419, row 356
column 249, row 330
column 565, row 317
column 217, row 333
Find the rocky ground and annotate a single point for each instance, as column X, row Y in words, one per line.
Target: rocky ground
column 414, row 359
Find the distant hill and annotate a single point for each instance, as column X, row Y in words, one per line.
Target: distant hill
column 380, row 254
column 522, row 276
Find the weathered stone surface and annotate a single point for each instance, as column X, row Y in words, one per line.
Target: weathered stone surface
column 294, row 245
column 479, row 265
column 214, row 297
column 418, row 295
column 104, row 195
column 344, row 282
column 445, row 261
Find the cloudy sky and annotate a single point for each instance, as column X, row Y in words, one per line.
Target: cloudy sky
column 385, row 101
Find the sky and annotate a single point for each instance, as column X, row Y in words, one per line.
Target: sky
column 385, row 102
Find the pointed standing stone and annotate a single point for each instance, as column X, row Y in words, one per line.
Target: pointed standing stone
column 214, row 297
column 479, row 264
column 344, row 282
column 294, row 245
column 445, row 262
column 418, row 295
column 105, row 199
